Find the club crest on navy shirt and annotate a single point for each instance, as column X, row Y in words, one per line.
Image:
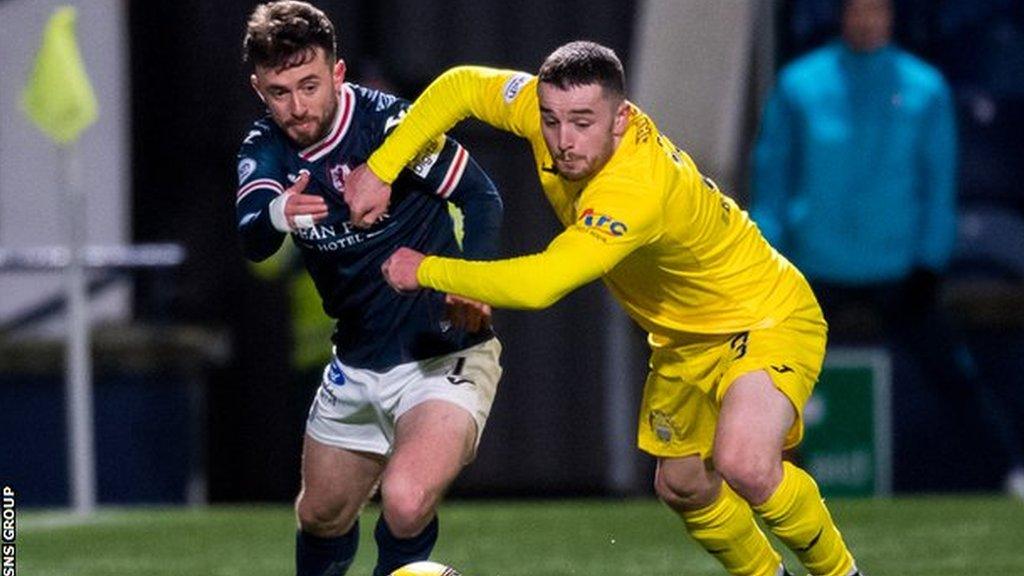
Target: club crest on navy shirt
column 338, row 172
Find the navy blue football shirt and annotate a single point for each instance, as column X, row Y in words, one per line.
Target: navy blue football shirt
column 376, row 327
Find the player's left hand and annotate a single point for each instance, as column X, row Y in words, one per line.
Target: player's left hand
column 367, row 197
column 466, row 314
column 400, row 269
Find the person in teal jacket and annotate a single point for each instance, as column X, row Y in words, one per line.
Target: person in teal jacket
column 855, row 163
column 854, row 181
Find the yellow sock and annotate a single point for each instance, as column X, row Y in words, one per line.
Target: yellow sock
column 726, row 528
column 797, row 515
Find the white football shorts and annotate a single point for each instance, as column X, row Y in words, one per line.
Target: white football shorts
column 356, row 409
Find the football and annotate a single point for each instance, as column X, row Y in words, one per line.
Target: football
column 426, row 569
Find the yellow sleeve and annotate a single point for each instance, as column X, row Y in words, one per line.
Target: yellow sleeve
column 604, row 234
column 504, row 99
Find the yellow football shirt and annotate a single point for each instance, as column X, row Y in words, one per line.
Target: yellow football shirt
column 680, row 256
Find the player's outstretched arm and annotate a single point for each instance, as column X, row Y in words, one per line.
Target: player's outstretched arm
column 580, row 254
column 456, row 94
column 460, row 92
column 536, row 281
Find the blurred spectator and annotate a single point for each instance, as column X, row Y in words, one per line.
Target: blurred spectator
column 854, row 173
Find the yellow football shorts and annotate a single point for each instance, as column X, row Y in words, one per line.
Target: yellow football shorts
column 687, row 381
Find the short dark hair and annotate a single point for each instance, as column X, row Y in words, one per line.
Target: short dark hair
column 286, row 33
column 582, row 62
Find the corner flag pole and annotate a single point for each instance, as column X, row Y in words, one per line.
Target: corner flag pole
column 78, row 359
column 59, row 100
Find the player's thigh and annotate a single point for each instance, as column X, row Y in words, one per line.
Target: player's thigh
column 433, row 441
column 755, row 418
column 753, row 424
column 336, row 482
column 466, row 380
column 440, row 419
column 778, row 366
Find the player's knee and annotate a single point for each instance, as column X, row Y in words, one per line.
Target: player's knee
column 753, row 476
column 684, row 490
column 321, row 520
column 407, row 508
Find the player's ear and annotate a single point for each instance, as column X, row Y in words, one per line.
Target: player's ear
column 621, row 121
column 339, row 73
column 255, row 82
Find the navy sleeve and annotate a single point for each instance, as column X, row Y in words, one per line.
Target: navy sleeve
column 446, row 169
column 480, row 203
column 261, row 179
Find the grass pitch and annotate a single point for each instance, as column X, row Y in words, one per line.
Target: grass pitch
column 926, row 536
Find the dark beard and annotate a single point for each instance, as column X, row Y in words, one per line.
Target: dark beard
column 323, row 128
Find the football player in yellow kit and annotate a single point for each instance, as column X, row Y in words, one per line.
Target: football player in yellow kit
column 736, row 333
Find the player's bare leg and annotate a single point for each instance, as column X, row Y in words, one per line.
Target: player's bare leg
column 754, row 420
column 433, row 441
column 752, row 426
column 715, row 516
column 686, row 484
column 335, row 485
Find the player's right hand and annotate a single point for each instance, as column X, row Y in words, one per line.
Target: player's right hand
column 303, row 210
column 367, row 196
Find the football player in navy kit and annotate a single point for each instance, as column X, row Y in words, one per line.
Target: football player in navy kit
column 405, row 398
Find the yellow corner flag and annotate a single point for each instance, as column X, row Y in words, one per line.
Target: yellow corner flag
column 58, row 97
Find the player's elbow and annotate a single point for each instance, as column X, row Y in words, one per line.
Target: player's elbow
column 484, row 205
column 258, row 251
column 493, row 199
